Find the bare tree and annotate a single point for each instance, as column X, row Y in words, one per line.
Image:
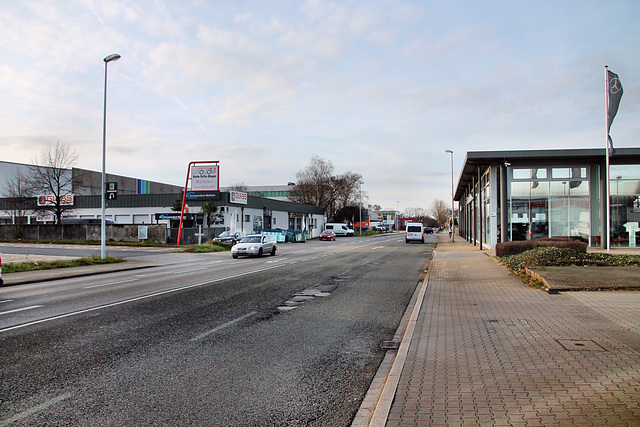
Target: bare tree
column 18, row 203
column 347, row 193
column 318, row 186
column 440, row 211
column 420, row 214
column 54, row 180
column 314, row 184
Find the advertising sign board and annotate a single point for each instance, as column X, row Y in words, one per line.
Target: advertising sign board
column 204, row 177
column 238, row 197
column 50, row 200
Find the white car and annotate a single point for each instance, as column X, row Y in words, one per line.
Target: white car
column 255, row 245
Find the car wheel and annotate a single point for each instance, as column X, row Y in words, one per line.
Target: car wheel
column 406, row 241
column 260, row 252
column 273, row 251
column 422, row 241
column 234, row 256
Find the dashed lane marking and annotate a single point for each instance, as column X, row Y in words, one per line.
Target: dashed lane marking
column 21, row 309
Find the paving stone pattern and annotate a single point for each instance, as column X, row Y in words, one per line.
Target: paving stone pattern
column 487, row 351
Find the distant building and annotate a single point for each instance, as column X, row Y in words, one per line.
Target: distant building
column 147, row 202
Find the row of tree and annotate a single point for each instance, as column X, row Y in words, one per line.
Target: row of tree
column 340, row 195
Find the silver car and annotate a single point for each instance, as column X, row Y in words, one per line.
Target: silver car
column 255, row 245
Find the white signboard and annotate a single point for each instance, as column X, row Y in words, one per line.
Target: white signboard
column 204, row 177
column 238, row 197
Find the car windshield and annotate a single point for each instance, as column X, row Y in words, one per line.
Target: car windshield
column 225, row 234
column 251, row 239
column 327, row 232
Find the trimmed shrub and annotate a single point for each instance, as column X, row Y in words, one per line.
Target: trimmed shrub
column 552, row 256
column 520, row 246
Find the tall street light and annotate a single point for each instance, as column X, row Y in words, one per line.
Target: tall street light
column 453, row 229
column 112, row 57
column 360, row 182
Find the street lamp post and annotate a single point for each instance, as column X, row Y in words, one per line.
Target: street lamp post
column 112, row 57
column 360, row 182
column 453, row 229
column 396, row 223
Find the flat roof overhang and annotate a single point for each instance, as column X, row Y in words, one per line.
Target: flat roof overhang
column 477, row 159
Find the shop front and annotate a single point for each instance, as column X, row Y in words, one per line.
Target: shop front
column 549, row 193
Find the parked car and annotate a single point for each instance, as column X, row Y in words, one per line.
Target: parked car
column 229, row 237
column 327, row 235
column 381, row 227
column 255, row 245
column 428, row 230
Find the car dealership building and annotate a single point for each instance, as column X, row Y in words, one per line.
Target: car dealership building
column 520, row 195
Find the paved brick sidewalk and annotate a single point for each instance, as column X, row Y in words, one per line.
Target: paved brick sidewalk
column 488, row 350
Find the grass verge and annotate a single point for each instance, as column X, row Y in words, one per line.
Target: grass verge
column 49, row 265
column 205, row 247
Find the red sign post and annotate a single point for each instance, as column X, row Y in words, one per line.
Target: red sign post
column 204, row 176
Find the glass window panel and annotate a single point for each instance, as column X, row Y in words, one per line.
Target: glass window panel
column 540, row 188
column 625, row 186
column 539, row 173
column 520, row 188
column 560, row 173
column 521, row 173
column 625, row 171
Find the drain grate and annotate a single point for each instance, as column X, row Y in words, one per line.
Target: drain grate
column 390, row 345
column 580, row 345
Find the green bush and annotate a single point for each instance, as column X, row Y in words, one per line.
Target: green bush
column 520, row 246
column 554, row 256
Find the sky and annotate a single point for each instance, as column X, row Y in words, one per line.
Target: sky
column 377, row 87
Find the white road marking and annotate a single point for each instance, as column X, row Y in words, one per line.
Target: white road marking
column 21, row 309
column 34, row 410
column 225, row 325
column 5, row 300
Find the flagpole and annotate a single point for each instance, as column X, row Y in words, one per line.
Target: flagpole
column 606, row 150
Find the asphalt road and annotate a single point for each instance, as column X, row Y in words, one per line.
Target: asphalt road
column 203, row 340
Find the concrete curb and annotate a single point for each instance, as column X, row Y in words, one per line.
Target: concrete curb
column 376, row 405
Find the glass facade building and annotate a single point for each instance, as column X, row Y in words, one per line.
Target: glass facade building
column 521, row 195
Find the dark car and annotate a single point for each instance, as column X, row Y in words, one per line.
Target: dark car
column 229, row 238
column 428, row 230
column 327, row 235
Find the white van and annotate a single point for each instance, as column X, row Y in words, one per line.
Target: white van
column 340, row 229
column 414, row 231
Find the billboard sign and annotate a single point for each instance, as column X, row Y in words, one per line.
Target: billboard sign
column 50, row 200
column 238, row 197
column 205, row 177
